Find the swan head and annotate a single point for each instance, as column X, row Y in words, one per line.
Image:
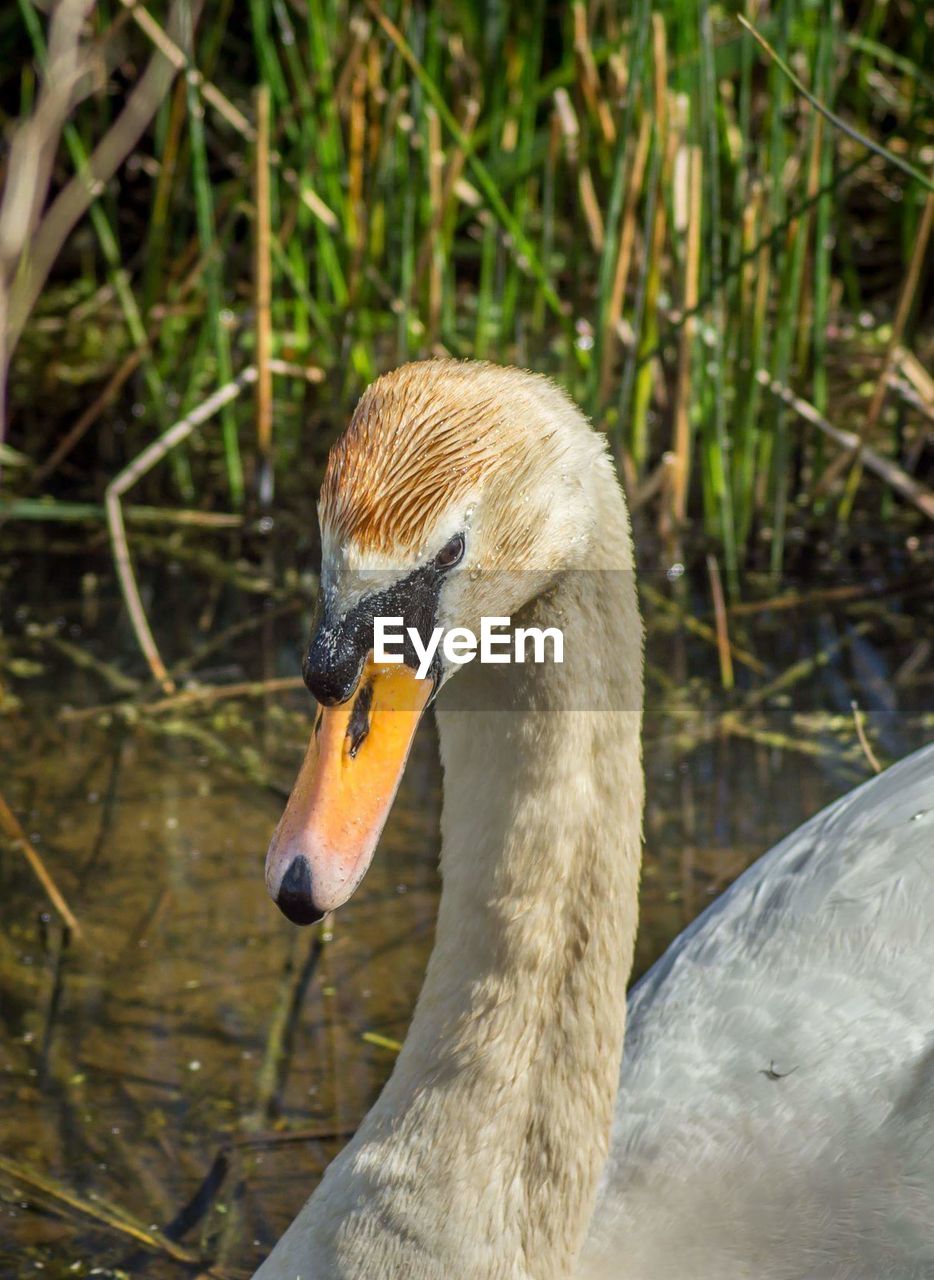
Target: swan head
column 458, row 491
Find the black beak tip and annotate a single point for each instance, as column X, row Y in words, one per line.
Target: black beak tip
column 295, row 899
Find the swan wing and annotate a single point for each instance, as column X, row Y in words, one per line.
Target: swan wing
column 776, row 1109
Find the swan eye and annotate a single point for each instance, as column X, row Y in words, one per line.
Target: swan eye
column 451, row 553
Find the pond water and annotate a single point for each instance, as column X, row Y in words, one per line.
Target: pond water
column 173, row 1083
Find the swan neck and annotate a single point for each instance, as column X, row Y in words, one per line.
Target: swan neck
column 521, row 1019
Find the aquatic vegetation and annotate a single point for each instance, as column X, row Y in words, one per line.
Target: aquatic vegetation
column 640, row 201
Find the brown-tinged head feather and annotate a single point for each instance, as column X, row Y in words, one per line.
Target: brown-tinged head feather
column 419, row 436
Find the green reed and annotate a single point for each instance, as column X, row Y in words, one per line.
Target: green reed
column 464, row 180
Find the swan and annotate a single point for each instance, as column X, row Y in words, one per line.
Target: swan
column 774, row 1114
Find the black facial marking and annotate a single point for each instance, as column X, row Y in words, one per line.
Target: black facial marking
column 359, row 725
column 339, row 645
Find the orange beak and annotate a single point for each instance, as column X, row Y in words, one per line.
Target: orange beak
column 324, row 843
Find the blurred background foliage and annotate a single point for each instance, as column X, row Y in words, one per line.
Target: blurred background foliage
column 635, row 199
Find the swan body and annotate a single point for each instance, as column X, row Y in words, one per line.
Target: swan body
column 775, row 1116
column 772, row 1116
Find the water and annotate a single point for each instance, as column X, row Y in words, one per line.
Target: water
column 192, row 1030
